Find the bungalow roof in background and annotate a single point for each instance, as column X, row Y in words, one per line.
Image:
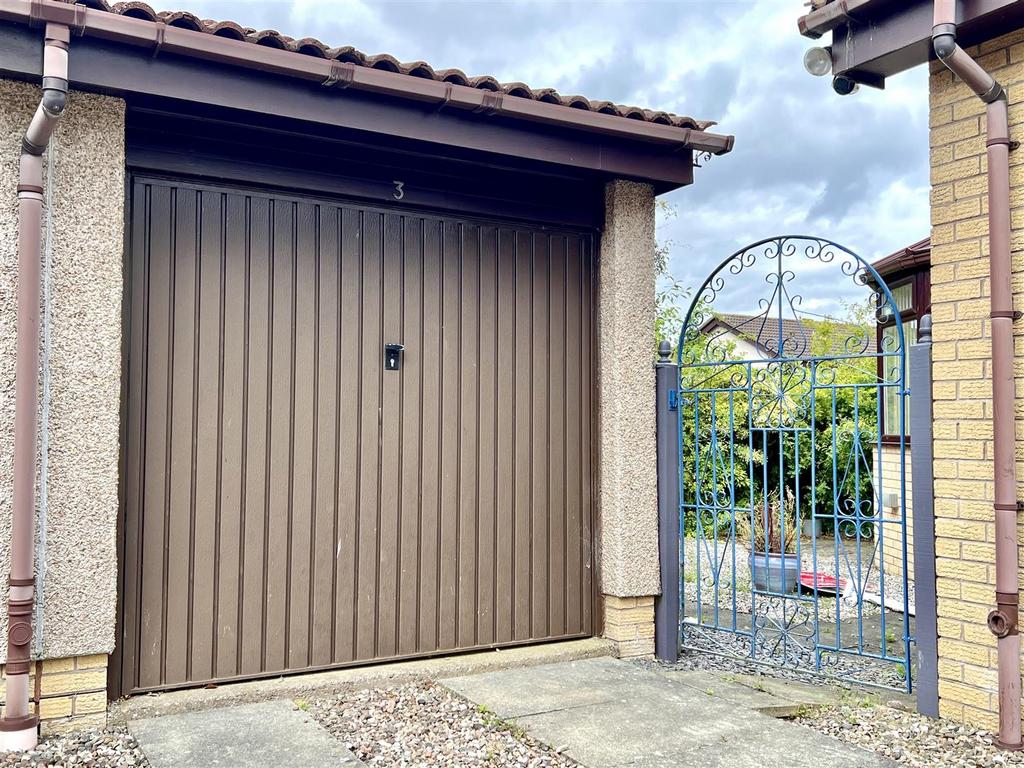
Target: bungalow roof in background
column 763, row 331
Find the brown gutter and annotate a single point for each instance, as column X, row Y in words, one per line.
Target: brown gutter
column 222, row 50
column 917, row 255
column 18, row 725
column 1003, row 620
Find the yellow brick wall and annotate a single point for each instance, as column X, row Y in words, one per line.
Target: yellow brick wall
column 962, row 390
column 629, row 624
column 73, row 692
column 888, row 473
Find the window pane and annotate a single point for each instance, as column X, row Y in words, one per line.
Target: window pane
column 903, row 295
column 891, row 374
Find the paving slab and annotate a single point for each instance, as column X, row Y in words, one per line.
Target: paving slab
column 725, row 686
column 607, row 713
column 271, row 734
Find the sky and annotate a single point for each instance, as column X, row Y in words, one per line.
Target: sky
column 852, row 169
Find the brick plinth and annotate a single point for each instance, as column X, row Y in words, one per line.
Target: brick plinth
column 73, row 692
column 629, row 624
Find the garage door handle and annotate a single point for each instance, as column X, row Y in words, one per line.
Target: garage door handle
column 393, row 357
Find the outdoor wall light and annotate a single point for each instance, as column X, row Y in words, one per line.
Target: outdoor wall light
column 844, row 86
column 818, row 61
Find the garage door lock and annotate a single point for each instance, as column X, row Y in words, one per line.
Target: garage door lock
column 393, row 357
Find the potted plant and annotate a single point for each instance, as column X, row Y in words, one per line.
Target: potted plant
column 772, row 536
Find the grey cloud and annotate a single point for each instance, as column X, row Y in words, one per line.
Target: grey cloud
column 613, row 78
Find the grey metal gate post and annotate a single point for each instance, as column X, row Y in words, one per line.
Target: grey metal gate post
column 925, row 629
column 666, row 606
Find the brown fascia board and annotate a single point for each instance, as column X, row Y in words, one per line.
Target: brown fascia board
column 146, row 34
column 917, row 255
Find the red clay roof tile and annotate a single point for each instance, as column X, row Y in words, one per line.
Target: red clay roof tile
column 310, row 46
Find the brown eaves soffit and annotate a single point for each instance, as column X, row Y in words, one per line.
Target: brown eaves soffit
column 227, row 43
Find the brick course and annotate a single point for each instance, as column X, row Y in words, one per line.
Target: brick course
column 73, row 692
column 964, row 526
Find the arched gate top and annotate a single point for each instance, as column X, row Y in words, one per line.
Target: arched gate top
column 772, row 309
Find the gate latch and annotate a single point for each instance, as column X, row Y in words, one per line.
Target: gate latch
column 673, row 399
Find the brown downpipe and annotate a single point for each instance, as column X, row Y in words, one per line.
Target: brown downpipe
column 1003, row 620
column 18, row 727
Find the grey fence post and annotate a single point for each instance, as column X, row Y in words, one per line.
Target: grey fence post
column 666, row 606
column 923, row 513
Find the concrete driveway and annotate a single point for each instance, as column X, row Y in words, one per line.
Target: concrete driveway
column 607, row 713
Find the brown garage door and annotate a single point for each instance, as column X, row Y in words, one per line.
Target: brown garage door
column 290, row 504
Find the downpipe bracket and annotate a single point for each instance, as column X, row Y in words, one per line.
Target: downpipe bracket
column 1010, row 143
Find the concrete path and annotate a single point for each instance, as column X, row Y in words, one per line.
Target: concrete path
column 606, row 713
column 269, row 735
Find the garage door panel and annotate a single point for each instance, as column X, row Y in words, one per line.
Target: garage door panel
column 390, row 441
column 431, row 420
column 467, row 414
column 556, row 405
column 255, row 391
column 487, row 410
column 180, row 512
column 322, row 597
column 291, row 504
column 540, row 440
column 278, row 508
column 411, row 447
column 301, row 454
column 368, row 446
column 505, row 350
column 206, row 476
column 230, row 495
column 522, row 523
column 349, row 379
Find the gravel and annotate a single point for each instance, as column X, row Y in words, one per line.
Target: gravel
column 704, row 649
column 910, row 739
column 425, row 724
column 110, row 748
column 826, row 563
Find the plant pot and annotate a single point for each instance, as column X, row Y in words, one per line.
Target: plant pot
column 772, row 573
column 811, row 527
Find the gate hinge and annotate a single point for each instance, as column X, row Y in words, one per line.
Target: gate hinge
column 673, row 399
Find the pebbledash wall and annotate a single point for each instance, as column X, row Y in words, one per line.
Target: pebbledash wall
column 628, row 556
column 964, row 528
column 77, row 568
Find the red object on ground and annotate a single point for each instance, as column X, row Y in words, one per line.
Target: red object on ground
column 826, row 583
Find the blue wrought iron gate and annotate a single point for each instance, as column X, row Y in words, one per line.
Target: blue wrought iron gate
column 793, row 465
